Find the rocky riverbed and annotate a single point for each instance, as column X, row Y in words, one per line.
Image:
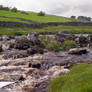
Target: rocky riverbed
column 29, row 69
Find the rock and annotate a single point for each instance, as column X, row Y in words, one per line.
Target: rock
column 22, row 78
column 34, row 38
column 22, row 43
column 61, row 37
column 6, row 46
column 32, row 51
column 0, row 38
column 78, row 51
column 1, row 48
column 28, row 88
column 15, row 54
column 90, row 38
column 35, row 65
column 5, row 38
column 56, row 71
column 31, row 70
column 82, row 40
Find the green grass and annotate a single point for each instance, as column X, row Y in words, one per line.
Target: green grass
column 34, row 17
column 78, row 80
column 46, row 30
column 12, row 20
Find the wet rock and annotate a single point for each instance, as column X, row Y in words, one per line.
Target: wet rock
column 61, row 37
column 78, row 51
column 28, row 88
column 22, row 43
column 15, row 54
column 32, row 51
column 31, row 70
column 34, row 38
column 56, row 71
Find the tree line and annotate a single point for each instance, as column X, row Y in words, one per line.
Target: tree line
column 81, row 18
column 14, row 9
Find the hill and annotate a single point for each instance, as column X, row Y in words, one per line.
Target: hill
column 29, row 17
column 78, row 80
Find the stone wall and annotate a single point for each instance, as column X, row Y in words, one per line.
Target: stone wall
column 38, row 25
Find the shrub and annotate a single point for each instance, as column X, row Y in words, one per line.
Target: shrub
column 41, row 13
column 69, row 44
column 78, row 80
column 56, row 46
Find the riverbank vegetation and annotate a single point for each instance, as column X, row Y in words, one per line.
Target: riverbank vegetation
column 78, row 80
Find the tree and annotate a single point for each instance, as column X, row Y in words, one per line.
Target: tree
column 41, row 13
column 73, row 17
column 14, row 9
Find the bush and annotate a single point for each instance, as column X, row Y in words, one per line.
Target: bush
column 14, row 9
column 78, row 80
column 69, row 44
column 56, row 46
column 41, row 13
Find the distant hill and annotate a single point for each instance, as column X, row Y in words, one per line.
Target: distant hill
column 29, row 17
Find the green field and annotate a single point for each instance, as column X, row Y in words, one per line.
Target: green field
column 46, row 30
column 31, row 16
column 15, row 17
column 78, row 80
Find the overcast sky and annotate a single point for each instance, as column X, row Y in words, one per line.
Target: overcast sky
column 56, row 7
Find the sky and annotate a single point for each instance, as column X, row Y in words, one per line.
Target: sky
column 56, row 7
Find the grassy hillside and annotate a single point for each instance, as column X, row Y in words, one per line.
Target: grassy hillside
column 78, row 80
column 31, row 16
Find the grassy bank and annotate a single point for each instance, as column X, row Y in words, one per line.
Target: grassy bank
column 78, row 80
column 46, row 30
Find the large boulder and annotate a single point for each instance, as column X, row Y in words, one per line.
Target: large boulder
column 34, row 38
column 22, row 43
column 61, row 37
column 78, row 51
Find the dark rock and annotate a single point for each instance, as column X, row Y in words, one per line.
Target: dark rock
column 35, row 50
column 38, row 65
column 22, row 78
column 1, row 48
column 22, row 43
column 82, row 40
column 61, row 37
column 34, row 38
